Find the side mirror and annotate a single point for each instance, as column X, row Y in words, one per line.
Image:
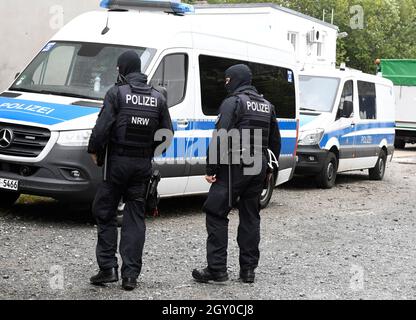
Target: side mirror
column 348, row 109
column 17, row 75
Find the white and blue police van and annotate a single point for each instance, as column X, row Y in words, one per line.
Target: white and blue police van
column 347, row 123
column 47, row 114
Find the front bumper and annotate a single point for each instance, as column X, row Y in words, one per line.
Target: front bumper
column 311, row 160
column 52, row 177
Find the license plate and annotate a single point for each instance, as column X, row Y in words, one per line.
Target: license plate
column 9, row 184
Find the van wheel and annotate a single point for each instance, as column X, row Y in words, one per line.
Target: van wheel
column 399, row 144
column 326, row 179
column 267, row 193
column 377, row 173
column 8, row 199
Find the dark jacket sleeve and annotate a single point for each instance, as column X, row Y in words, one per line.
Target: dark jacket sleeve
column 226, row 119
column 101, row 133
column 165, row 122
column 275, row 141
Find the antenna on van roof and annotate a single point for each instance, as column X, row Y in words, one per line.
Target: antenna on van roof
column 106, row 29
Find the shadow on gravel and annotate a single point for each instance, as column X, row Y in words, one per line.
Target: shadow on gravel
column 307, row 183
column 44, row 210
column 181, row 206
column 49, row 211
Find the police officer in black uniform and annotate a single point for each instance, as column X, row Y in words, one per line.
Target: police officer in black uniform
column 133, row 111
column 243, row 109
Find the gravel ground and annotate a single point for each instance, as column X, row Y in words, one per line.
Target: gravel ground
column 355, row 241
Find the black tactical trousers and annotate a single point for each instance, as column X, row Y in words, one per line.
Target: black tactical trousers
column 249, row 189
column 127, row 178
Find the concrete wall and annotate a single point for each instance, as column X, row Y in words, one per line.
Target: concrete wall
column 26, row 25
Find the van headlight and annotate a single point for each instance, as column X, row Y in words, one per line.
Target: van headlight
column 79, row 138
column 311, row 137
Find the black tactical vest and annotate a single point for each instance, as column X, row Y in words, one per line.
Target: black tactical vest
column 254, row 112
column 137, row 121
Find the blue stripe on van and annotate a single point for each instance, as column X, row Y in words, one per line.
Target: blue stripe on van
column 346, row 141
column 196, row 147
column 41, row 112
column 210, row 125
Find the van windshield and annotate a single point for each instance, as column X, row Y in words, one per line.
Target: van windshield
column 318, row 93
column 81, row 70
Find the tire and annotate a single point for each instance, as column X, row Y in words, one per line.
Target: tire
column 377, row 173
column 267, row 192
column 399, row 144
column 8, row 199
column 326, row 178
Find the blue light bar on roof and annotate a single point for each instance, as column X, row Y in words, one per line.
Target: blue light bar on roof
column 174, row 5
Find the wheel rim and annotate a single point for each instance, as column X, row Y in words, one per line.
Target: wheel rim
column 266, row 192
column 381, row 166
column 330, row 171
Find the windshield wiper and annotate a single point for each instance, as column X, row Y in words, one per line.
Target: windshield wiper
column 308, row 109
column 72, row 95
column 23, row 90
column 65, row 94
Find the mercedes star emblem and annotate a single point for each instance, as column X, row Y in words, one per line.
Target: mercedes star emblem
column 6, row 138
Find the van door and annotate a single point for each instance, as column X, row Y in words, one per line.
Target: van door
column 369, row 129
column 345, row 126
column 172, row 72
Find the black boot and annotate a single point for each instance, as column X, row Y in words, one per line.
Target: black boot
column 205, row 275
column 105, row 276
column 129, row 284
column 247, row 276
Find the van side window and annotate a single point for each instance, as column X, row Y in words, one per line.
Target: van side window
column 172, row 74
column 275, row 83
column 367, row 98
column 346, row 104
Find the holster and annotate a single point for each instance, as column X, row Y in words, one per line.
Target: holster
column 101, row 158
column 152, row 195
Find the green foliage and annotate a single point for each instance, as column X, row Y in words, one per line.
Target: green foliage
column 389, row 27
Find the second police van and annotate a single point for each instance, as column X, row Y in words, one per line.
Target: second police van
column 47, row 115
column 347, row 123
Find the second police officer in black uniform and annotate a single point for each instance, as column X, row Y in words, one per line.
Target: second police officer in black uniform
column 243, row 109
column 133, row 111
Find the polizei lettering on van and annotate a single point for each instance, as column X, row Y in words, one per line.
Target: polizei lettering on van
column 138, row 100
column 259, row 107
column 24, row 107
column 140, row 121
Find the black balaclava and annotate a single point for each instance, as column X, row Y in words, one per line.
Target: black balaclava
column 129, row 62
column 240, row 75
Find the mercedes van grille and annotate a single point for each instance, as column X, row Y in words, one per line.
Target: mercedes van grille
column 26, row 141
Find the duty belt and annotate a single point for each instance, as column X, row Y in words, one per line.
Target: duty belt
column 132, row 152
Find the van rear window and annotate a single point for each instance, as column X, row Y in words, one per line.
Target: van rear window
column 277, row 84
